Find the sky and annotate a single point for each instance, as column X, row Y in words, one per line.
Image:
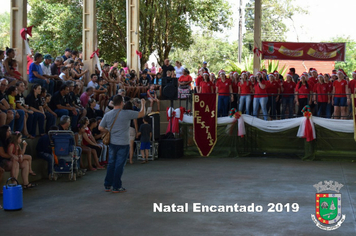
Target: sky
column 326, row 19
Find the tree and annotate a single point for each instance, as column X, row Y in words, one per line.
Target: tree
column 349, row 64
column 206, row 48
column 274, row 13
column 57, row 26
column 5, row 30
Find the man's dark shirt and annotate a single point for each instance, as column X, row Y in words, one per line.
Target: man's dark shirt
column 58, row 99
column 165, row 69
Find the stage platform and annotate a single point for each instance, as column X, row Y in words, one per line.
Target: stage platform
column 83, row 208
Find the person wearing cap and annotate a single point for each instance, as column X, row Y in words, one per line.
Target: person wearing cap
column 205, row 64
column 244, row 90
column 36, row 74
column 206, row 85
column 340, row 100
column 260, row 98
column 321, row 96
column 288, row 90
column 67, row 54
column 314, row 74
column 303, row 94
column 184, row 83
column 224, row 89
column 273, row 89
column 46, row 68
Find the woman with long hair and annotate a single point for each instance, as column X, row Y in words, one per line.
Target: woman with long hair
column 33, row 100
column 340, row 100
column 273, row 90
column 224, row 89
column 260, row 98
column 321, row 96
column 235, row 88
column 9, row 74
column 93, row 123
column 206, row 86
column 244, row 91
column 303, row 93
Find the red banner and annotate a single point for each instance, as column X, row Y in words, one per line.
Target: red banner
column 303, row 51
column 205, row 122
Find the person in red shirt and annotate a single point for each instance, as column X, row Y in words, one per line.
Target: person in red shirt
column 352, row 83
column 329, row 107
column 273, row 90
column 244, row 90
column 224, row 89
column 288, row 89
column 303, row 93
column 198, row 80
column 29, row 61
column 206, row 86
column 235, row 88
column 340, row 100
column 321, row 96
column 260, row 98
column 184, row 82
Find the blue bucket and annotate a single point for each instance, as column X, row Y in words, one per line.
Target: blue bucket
column 12, row 196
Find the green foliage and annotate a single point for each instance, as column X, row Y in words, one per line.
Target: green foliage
column 166, row 24
column 274, row 13
column 349, row 64
column 217, row 52
column 5, row 30
column 56, row 26
column 273, row 65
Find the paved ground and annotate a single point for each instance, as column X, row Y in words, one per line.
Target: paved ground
column 83, row 208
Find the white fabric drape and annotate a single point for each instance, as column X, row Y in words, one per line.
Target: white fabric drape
column 344, row 126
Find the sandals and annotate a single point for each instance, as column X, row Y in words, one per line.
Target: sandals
column 32, row 173
column 29, row 185
column 144, row 162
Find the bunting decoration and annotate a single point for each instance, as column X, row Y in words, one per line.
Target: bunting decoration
column 24, row 32
column 95, row 55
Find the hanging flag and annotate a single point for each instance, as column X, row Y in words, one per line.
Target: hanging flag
column 205, row 122
column 95, row 55
column 24, row 32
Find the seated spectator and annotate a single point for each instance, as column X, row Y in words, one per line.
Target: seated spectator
column 77, row 102
column 84, row 98
column 100, row 94
column 13, row 68
column 21, row 105
column 34, row 102
column 91, row 111
column 36, row 74
column 14, row 149
column 60, row 105
column 144, row 82
column 12, row 163
column 19, row 115
column 65, row 76
column 46, row 68
column 114, row 79
column 78, row 74
column 6, row 115
column 93, row 127
column 183, row 83
column 51, row 116
column 67, row 54
column 9, row 75
column 56, row 71
column 44, row 151
column 152, row 97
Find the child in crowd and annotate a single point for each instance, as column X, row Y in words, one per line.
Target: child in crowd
column 85, row 149
column 102, row 98
column 16, row 74
column 153, row 68
column 15, row 151
column 146, row 133
column 152, row 96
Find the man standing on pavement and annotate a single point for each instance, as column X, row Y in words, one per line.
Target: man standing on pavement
column 119, row 146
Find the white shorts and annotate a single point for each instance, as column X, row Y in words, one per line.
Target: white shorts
column 132, row 134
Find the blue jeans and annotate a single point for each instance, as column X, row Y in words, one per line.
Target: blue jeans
column 328, row 110
column 47, row 157
column 19, row 122
column 245, row 99
column 118, row 155
column 223, row 105
column 272, row 106
column 256, row 104
column 74, row 119
column 43, row 83
column 290, row 102
column 32, row 121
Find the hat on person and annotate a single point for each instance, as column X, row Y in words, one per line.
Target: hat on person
column 334, row 73
column 243, row 72
column 205, row 62
column 206, row 74
column 313, row 70
column 235, row 72
column 271, row 74
column 354, row 72
column 68, row 50
column 252, row 76
column 47, row 57
column 321, row 75
column 290, row 74
column 259, row 72
column 222, row 72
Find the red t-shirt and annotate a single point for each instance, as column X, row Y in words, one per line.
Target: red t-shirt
column 223, row 87
column 245, row 88
column 272, row 88
column 340, row 87
column 185, row 78
column 303, row 91
column 352, row 85
column 235, row 87
column 198, row 80
column 330, row 86
column 288, row 88
column 206, row 86
column 259, row 91
column 321, row 90
column 88, row 132
column 29, row 61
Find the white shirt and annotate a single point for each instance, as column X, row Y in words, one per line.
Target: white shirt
column 46, row 69
column 62, row 76
column 179, row 71
column 92, row 84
